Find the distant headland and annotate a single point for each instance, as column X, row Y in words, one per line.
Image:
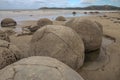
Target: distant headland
column 94, row 7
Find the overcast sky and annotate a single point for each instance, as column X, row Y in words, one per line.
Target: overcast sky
column 35, row 4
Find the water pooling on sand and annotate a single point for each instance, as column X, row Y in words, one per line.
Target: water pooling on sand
column 99, row 58
column 35, row 15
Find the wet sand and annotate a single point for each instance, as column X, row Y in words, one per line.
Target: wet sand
column 106, row 66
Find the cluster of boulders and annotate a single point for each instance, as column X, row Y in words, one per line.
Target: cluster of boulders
column 50, row 46
column 112, row 19
column 96, row 12
column 44, row 21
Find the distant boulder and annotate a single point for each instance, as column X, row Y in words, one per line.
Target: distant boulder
column 60, row 18
column 74, row 13
column 8, row 22
column 85, row 12
column 44, row 21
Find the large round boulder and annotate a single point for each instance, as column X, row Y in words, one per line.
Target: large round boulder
column 8, row 22
column 4, row 36
column 60, row 18
column 44, row 21
column 8, row 53
column 59, row 42
column 89, row 31
column 38, row 68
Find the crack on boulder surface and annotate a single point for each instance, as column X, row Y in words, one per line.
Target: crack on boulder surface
column 46, row 32
column 13, row 76
column 54, row 67
column 69, row 47
column 15, row 72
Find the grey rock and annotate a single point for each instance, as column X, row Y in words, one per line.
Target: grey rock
column 59, row 42
column 90, row 32
column 38, row 68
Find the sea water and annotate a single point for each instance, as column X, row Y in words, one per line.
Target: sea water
column 22, row 15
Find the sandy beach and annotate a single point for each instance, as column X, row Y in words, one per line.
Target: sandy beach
column 105, row 67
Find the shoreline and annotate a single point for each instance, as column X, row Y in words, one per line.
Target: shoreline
column 111, row 29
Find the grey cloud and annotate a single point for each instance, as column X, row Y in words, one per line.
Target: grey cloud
column 88, row 1
column 32, row 3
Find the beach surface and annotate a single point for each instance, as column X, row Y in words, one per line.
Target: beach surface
column 106, row 67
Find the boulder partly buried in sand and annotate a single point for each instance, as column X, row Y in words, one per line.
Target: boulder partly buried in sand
column 39, row 68
column 44, row 21
column 60, row 18
column 58, row 42
column 8, row 53
column 4, row 36
column 8, row 22
column 89, row 31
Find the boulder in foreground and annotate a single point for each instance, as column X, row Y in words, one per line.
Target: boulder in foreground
column 38, row 68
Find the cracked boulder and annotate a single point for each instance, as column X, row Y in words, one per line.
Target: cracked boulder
column 4, row 36
column 59, row 42
column 39, row 68
column 90, row 32
column 8, row 22
column 8, row 53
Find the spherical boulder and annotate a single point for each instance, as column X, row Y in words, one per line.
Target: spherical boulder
column 74, row 13
column 44, row 21
column 39, row 68
column 59, row 42
column 8, row 22
column 8, row 53
column 60, row 18
column 89, row 31
column 4, row 36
